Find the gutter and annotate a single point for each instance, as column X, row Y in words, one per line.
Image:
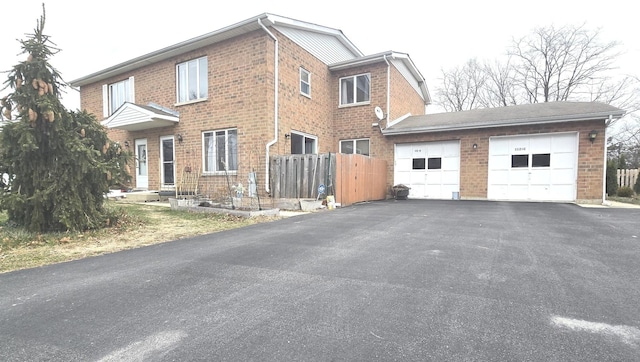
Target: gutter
column 275, row 108
column 525, row 122
column 388, row 110
column 604, row 171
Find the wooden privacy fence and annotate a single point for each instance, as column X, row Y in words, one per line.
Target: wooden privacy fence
column 350, row 178
column 627, row 177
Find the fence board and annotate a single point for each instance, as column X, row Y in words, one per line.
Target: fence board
column 627, row 177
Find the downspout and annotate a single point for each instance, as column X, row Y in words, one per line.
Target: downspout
column 275, row 108
column 388, row 89
column 604, row 173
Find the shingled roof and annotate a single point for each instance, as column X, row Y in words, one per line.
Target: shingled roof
column 526, row 114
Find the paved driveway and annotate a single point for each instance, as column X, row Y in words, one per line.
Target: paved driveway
column 393, row 280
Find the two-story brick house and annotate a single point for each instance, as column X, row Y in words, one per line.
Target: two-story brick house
column 229, row 99
column 221, row 104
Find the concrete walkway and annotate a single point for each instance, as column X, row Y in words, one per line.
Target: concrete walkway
column 609, row 204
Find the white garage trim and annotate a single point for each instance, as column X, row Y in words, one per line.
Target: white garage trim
column 540, row 167
column 430, row 169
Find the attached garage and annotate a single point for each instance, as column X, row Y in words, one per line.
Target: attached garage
column 533, row 167
column 430, row 169
column 553, row 151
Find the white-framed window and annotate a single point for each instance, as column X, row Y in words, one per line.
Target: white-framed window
column 305, row 82
column 192, row 80
column 355, row 89
column 115, row 94
column 220, row 151
column 302, row 144
column 357, row 146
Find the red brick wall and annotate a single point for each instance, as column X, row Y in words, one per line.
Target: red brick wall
column 474, row 162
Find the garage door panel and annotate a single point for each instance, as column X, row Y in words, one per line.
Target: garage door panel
column 563, row 177
column 451, row 163
column 540, row 177
column 540, row 145
column 416, row 179
column 403, row 151
column 563, row 160
column 450, row 178
column 434, row 178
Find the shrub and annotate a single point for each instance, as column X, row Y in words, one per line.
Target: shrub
column 636, row 187
column 612, row 179
column 625, row 191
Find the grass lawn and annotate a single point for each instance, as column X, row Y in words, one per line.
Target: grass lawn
column 138, row 225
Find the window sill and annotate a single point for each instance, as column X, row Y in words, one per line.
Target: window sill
column 220, row 173
column 305, row 95
column 191, row 102
column 354, row 104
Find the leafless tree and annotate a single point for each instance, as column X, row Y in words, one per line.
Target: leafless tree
column 551, row 64
column 556, row 64
column 462, row 86
column 499, row 90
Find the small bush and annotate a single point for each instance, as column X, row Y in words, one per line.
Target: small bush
column 625, row 191
column 612, row 179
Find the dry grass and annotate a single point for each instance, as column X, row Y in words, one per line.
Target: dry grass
column 138, row 225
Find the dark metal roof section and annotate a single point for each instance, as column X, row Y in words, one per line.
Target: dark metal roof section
column 526, row 114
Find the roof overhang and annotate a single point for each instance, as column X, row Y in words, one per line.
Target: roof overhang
column 437, row 122
column 384, row 57
column 134, row 117
column 243, row 27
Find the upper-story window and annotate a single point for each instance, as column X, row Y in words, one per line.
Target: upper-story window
column 355, row 89
column 305, row 82
column 192, row 81
column 115, row 94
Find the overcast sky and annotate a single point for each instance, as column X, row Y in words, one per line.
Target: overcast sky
column 435, row 34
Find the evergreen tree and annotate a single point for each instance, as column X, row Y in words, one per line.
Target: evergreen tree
column 56, row 164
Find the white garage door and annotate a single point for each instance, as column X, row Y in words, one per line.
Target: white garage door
column 431, row 169
column 533, row 167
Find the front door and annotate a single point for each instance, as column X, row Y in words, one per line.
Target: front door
column 142, row 170
column 167, row 158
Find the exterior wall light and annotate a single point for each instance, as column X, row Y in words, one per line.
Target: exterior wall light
column 592, row 135
column 475, row 146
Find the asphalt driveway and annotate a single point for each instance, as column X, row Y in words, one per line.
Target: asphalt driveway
column 393, row 280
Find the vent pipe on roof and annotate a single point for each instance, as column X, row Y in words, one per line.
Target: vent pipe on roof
column 275, row 108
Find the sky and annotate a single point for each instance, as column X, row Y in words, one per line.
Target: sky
column 436, row 34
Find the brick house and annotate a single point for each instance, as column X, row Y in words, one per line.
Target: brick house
column 232, row 98
column 221, row 104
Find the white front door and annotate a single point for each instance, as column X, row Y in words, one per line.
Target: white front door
column 142, row 168
column 533, row 167
column 167, row 162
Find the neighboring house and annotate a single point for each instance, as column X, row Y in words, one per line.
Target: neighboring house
column 221, row 104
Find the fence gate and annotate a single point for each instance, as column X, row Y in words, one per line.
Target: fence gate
column 350, row 178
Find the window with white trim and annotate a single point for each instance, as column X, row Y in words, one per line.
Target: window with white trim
column 192, row 80
column 220, row 151
column 355, row 89
column 302, row 144
column 357, row 146
column 305, row 82
column 115, row 94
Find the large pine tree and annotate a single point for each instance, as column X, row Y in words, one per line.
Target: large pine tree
column 56, row 164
